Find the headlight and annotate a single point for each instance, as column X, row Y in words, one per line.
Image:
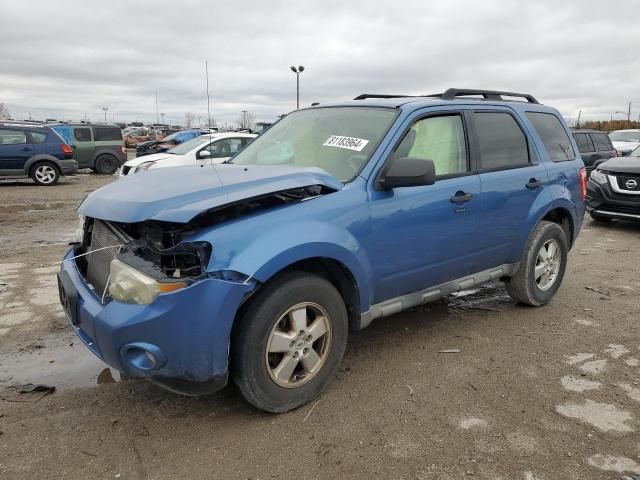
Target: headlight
column 128, row 285
column 78, row 235
column 144, row 166
column 598, row 177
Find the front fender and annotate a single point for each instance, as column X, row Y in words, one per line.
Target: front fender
column 279, row 248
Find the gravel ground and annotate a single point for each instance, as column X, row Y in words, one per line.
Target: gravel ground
column 525, row 393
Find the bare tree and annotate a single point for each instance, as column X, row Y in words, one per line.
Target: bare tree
column 189, row 118
column 246, row 121
column 4, row 111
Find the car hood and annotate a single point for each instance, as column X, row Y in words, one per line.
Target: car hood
column 621, row 165
column 618, row 145
column 149, row 143
column 134, row 162
column 179, row 194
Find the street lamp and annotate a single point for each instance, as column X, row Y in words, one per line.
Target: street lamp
column 104, row 109
column 297, row 71
column 162, row 115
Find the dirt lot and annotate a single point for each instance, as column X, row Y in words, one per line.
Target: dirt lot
column 549, row 393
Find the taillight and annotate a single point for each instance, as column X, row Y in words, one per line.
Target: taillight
column 123, row 149
column 583, row 183
column 66, row 149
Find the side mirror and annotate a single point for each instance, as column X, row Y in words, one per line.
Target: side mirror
column 204, row 154
column 407, row 172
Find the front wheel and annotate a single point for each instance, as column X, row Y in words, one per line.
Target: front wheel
column 289, row 342
column 542, row 266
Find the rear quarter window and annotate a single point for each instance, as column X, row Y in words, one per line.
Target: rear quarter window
column 553, row 135
column 103, row 134
column 38, row 137
column 603, row 143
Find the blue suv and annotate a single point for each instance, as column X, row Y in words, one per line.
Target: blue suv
column 337, row 215
column 34, row 151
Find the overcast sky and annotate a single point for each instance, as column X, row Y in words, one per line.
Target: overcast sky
column 68, row 59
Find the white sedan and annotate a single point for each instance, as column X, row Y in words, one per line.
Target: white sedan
column 202, row 150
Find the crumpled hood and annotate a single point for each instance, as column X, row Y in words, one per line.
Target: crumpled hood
column 179, row 194
column 135, row 162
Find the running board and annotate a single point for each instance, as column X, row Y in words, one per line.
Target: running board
column 404, row 302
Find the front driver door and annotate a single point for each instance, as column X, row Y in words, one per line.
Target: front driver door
column 424, row 236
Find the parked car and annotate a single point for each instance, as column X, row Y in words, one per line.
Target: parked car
column 166, row 143
column 335, row 216
column 625, row 140
column 99, row 147
column 594, row 146
column 613, row 191
column 138, row 135
column 34, row 151
column 202, row 150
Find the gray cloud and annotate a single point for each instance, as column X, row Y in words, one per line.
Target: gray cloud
column 70, row 58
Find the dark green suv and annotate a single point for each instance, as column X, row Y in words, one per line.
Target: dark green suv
column 98, row 147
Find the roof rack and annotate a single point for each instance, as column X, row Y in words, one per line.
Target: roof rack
column 453, row 93
column 364, row 96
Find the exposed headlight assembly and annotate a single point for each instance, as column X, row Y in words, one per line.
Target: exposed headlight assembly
column 598, row 177
column 78, row 234
column 128, row 285
column 144, row 166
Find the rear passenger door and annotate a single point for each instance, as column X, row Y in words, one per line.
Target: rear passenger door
column 604, row 148
column 15, row 150
column 84, row 146
column 587, row 149
column 512, row 181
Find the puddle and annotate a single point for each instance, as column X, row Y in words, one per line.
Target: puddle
column 490, row 296
column 62, row 363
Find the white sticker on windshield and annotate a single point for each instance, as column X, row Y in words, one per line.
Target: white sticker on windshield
column 350, row 143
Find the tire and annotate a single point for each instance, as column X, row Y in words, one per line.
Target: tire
column 524, row 286
column 45, row 173
column 599, row 218
column 106, row 164
column 265, row 379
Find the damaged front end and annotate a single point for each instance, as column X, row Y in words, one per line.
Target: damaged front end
column 136, row 262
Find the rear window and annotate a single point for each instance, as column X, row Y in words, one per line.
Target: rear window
column 82, row 134
column 553, row 135
column 102, row 134
column 584, row 143
column 501, row 140
column 603, row 143
column 38, row 137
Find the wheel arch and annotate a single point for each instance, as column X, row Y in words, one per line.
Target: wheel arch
column 40, row 158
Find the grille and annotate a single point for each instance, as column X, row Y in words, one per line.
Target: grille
column 634, row 182
column 99, row 261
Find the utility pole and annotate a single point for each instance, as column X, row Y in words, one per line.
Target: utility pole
column 629, row 113
column 157, row 111
column 579, row 115
column 206, row 71
column 297, row 71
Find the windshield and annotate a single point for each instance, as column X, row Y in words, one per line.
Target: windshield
column 340, row 140
column 635, row 152
column 186, row 147
column 625, row 136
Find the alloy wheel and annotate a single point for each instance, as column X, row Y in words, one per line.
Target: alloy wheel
column 45, row 174
column 547, row 264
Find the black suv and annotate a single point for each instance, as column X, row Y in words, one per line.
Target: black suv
column 595, row 147
column 34, row 151
column 613, row 191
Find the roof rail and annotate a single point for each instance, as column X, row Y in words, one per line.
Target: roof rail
column 453, row 93
column 364, row 96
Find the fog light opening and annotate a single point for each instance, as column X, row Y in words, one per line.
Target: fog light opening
column 144, row 357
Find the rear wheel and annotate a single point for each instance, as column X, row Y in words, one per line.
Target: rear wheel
column 106, row 164
column 45, row 173
column 542, row 266
column 289, row 342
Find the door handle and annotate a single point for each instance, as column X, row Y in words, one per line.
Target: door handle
column 25, row 149
column 461, row 197
column 533, row 184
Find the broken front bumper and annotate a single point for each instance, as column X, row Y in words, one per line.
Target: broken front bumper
column 180, row 340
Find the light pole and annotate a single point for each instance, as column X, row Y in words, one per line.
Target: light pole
column 297, row 71
column 104, row 109
column 162, row 115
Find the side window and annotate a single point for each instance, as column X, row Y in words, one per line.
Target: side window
column 501, row 140
column 82, row 134
column 12, row 137
column 38, row 137
column 440, row 139
column 553, row 135
column 103, row 134
column 584, row 142
column 225, row 148
column 603, row 144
